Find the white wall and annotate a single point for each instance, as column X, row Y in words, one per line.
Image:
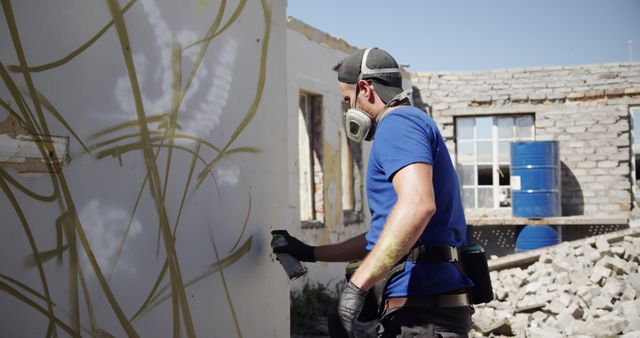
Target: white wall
column 102, row 202
column 311, row 55
column 309, row 68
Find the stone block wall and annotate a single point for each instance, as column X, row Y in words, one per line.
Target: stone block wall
column 585, row 108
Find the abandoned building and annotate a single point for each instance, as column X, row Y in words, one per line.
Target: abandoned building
column 328, row 172
column 147, row 150
column 589, row 110
column 592, row 112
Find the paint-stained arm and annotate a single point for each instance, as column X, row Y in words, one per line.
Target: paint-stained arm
column 408, row 219
column 349, row 250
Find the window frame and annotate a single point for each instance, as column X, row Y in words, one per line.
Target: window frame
column 311, row 188
column 496, row 163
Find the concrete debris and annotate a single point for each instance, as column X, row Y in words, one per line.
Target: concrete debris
column 576, row 289
column 634, row 334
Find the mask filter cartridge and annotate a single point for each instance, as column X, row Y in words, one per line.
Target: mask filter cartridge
column 359, row 125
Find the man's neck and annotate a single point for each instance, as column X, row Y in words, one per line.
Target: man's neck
column 386, row 111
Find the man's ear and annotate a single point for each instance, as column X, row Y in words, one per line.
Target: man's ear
column 362, row 85
column 367, row 89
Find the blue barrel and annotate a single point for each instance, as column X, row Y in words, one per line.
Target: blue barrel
column 535, row 179
column 536, row 236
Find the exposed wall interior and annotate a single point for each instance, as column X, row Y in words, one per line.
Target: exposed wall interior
column 311, row 55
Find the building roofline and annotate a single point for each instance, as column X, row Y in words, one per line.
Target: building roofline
column 317, row 35
column 331, row 41
column 529, row 69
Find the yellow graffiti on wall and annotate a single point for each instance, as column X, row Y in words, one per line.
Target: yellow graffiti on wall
column 35, row 113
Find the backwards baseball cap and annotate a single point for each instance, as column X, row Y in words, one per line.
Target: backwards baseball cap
column 375, row 65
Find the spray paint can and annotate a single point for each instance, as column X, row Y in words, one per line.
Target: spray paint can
column 292, row 266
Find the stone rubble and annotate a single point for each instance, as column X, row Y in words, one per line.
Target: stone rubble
column 587, row 289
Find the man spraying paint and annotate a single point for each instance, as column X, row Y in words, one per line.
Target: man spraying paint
column 409, row 254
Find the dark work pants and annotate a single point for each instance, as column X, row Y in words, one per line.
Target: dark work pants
column 415, row 322
column 447, row 322
column 336, row 330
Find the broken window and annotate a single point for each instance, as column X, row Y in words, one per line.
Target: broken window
column 310, row 160
column 483, row 157
column 351, row 163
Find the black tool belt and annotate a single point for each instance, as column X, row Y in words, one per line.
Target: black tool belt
column 442, row 253
column 433, row 301
column 470, row 261
column 417, row 255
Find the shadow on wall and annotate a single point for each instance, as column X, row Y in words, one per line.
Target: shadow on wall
column 417, row 101
column 572, row 198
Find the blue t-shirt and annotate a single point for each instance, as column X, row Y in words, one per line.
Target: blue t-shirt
column 405, row 136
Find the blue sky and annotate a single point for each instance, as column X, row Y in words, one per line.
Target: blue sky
column 457, row 35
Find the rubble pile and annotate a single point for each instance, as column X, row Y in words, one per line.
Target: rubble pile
column 588, row 289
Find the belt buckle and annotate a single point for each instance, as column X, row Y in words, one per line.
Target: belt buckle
column 454, row 255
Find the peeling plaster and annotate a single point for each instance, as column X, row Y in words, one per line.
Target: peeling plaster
column 23, row 152
column 333, row 190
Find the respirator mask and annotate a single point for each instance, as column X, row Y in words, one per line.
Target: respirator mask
column 359, row 125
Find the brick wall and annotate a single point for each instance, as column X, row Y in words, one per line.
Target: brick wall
column 585, row 108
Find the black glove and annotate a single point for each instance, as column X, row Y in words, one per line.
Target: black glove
column 350, row 305
column 295, row 247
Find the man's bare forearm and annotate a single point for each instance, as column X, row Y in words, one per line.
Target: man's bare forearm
column 406, row 222
column 394, row 242
column 349, row 250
